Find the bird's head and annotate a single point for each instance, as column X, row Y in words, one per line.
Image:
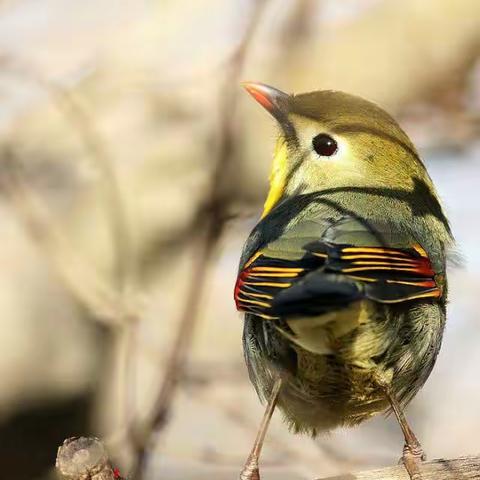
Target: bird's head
column 330, row 139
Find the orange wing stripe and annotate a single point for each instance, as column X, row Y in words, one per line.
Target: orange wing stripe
column 276, row 269
column 275, row 275
column 373, row 256
column 404, row 263
column 374, row 250
column 364, row 269
column 407, row 267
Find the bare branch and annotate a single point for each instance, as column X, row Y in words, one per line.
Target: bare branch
column 462, row 468
column 99, row 154
column 85, row 459
column 108, row 300
column 82, row 281
column 213, row 214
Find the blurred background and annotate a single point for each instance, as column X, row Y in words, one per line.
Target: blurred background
column 132, row 167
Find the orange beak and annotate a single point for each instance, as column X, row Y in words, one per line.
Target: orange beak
column 273, row 100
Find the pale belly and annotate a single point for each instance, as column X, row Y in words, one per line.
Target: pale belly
column 344, row 361
column 327, row 393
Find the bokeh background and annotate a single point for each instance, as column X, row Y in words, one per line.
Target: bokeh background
column 132, row 167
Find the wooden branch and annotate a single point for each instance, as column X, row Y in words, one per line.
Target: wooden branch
column 86, row 458
column 462, row 468
column 214, row 213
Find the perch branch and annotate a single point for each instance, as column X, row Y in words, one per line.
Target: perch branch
column 86, row 458
column 462, row 468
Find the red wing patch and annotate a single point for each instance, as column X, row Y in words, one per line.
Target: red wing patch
column 262, row 278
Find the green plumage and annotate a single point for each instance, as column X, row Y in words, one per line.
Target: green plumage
column 364, row 342
column 336, row 365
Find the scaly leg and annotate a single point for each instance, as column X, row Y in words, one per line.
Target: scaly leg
column 250, row 470
column 413, row 453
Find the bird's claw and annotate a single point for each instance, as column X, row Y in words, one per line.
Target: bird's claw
column 250, row 470
column 412, row 456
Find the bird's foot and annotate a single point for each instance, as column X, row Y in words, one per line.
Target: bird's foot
column 250, row 470
column 413, row 456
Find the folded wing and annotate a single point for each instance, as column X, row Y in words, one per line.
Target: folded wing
column 324, row 276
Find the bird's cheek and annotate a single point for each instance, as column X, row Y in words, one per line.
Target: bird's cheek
column 330, row 174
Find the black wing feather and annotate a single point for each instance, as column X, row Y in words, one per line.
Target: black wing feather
column 331, row 276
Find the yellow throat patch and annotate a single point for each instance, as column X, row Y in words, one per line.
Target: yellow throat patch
column 278, row 176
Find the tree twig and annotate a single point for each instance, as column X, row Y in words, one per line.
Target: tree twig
column 83, row 282
column 462, row 468
column 85, row 458
column 111, row 303
column 98, row 153
column 214, row 214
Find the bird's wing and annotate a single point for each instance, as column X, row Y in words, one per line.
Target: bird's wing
column 299, row 275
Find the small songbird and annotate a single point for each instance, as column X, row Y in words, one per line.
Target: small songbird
column 342, row 281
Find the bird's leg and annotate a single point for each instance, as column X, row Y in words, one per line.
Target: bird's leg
column 250, row 469
column 413, row 452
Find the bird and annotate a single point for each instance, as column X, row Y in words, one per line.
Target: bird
column 342, row 282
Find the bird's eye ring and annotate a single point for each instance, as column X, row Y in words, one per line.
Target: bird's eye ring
column 324, row 145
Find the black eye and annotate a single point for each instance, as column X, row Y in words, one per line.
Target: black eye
column 324, row 145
